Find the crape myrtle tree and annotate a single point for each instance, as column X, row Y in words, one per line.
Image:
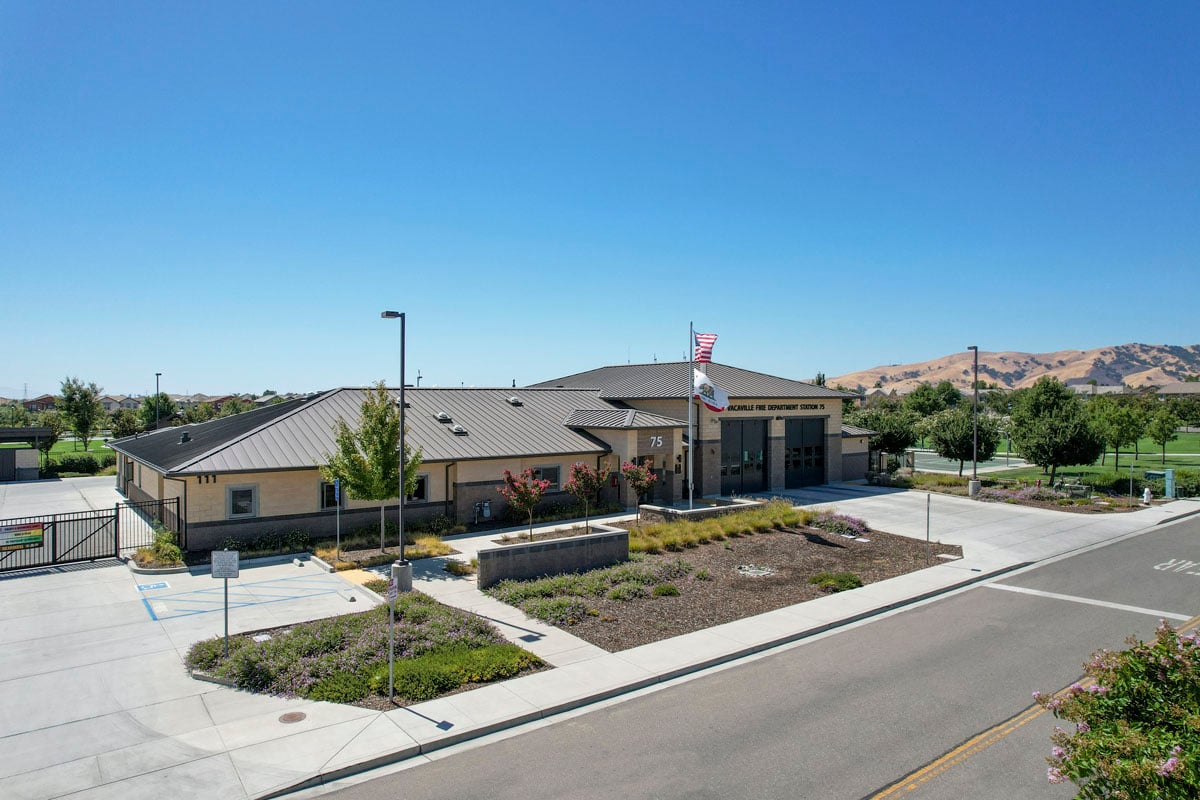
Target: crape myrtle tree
column 641, row 480
column 952, row 435
column 1135, row 722
column 80, row 408
column 523, row 492
column 1051, row 429
column 585, row 484
column 1162, row 429
column 1117, row 423
column 365, row 461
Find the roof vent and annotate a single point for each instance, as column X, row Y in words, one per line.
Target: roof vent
column 515, row 401
column 442, row 416
column 459, row 430
column 185, row 437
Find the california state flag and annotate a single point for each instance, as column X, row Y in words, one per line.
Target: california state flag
column 714, row 397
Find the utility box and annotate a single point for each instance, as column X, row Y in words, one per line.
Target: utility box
column 1168, row 479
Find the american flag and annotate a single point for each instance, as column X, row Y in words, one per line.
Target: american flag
column 704, row 346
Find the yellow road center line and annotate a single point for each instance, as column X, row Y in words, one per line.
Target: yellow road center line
column 982, row 741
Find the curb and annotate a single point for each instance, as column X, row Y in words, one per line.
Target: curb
column 418, row 748
column 1184, row 515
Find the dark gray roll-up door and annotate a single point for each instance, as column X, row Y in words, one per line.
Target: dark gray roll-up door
column 743, row 456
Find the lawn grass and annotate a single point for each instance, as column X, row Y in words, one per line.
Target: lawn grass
column 96, row 447
column 1140, row 465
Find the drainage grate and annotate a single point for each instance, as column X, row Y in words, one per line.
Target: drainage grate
column 755, row 571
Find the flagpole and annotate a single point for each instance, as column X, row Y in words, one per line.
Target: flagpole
column 691, row 468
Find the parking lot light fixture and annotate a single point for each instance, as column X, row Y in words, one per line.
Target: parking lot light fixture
column 400, row 518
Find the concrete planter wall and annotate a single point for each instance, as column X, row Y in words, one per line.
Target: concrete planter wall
column 603, row 547
column 652, row 515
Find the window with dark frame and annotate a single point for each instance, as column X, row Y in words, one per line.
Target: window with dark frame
column 327, row 497
column 548, row 474
column 421, row 492
column 242, row 501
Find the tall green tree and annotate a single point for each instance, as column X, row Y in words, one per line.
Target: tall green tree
column 895, row 428
column 952, row 435
column 1163, row 428
column 158, row 409
column 924, row 401
column 14, row 415
column 1117, row 423
column 366, row 459
column 200, row 412
column 1051, row 429
column 124, row 423
column 234, row 405
column 949, row 394
column 81, row 408
column 57, row 425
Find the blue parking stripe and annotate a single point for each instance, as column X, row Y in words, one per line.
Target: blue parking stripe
column 241, row 595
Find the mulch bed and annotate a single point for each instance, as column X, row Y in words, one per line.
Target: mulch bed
column 795, row 555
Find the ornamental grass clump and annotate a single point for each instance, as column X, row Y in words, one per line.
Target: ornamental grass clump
column 1137, row 722
column 563, row 599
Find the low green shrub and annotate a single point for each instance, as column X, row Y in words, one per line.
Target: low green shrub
column 666, row 590
column 82, row 463
column 556, row 610
column 341, row 687
column 626, row 591
column 836, row 581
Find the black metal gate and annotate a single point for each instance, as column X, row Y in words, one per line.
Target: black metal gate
column 48, row 539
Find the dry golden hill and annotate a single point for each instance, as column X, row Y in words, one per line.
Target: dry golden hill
column 1131, row 364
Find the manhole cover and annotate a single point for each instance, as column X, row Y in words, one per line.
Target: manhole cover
column 755, row 571
column 292, row 716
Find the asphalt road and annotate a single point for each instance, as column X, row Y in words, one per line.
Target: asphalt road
column 851, row 713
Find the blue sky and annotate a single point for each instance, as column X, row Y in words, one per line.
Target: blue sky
column 230, row 193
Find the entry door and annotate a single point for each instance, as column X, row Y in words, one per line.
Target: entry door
column 804, row 452
column 743, row 456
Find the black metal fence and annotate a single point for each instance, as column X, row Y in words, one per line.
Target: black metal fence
column 48, row 539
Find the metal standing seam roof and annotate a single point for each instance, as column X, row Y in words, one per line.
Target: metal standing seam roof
column 852, row 430
column 620, row 418
column 671, row 379
column 298, row 434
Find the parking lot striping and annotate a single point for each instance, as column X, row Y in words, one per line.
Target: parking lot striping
column 1091, row 602
column 980, row 742
column 241, row 595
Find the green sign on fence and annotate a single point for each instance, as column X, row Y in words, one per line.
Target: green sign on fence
column 25, row 536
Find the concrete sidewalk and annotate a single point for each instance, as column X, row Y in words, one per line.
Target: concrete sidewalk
column 98, row 704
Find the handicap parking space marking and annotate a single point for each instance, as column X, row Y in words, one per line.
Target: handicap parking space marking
column 241, row 595
column 145, row 587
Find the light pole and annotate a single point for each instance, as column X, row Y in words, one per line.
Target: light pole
column 975, row 419
column 157, row 375
column 400, row 315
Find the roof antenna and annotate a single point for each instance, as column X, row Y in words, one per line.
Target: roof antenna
column 418, row 379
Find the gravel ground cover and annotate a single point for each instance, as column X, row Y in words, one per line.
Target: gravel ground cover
column 743, row 576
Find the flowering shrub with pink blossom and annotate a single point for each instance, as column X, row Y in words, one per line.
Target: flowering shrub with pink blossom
column 840, row 524
column 1137, row 722
column 1035, row 493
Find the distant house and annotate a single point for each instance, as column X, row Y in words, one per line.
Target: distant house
column 45, row 402
column 1179, row 389
column 259, row 471
column 1092, row 389
column 117, row 402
